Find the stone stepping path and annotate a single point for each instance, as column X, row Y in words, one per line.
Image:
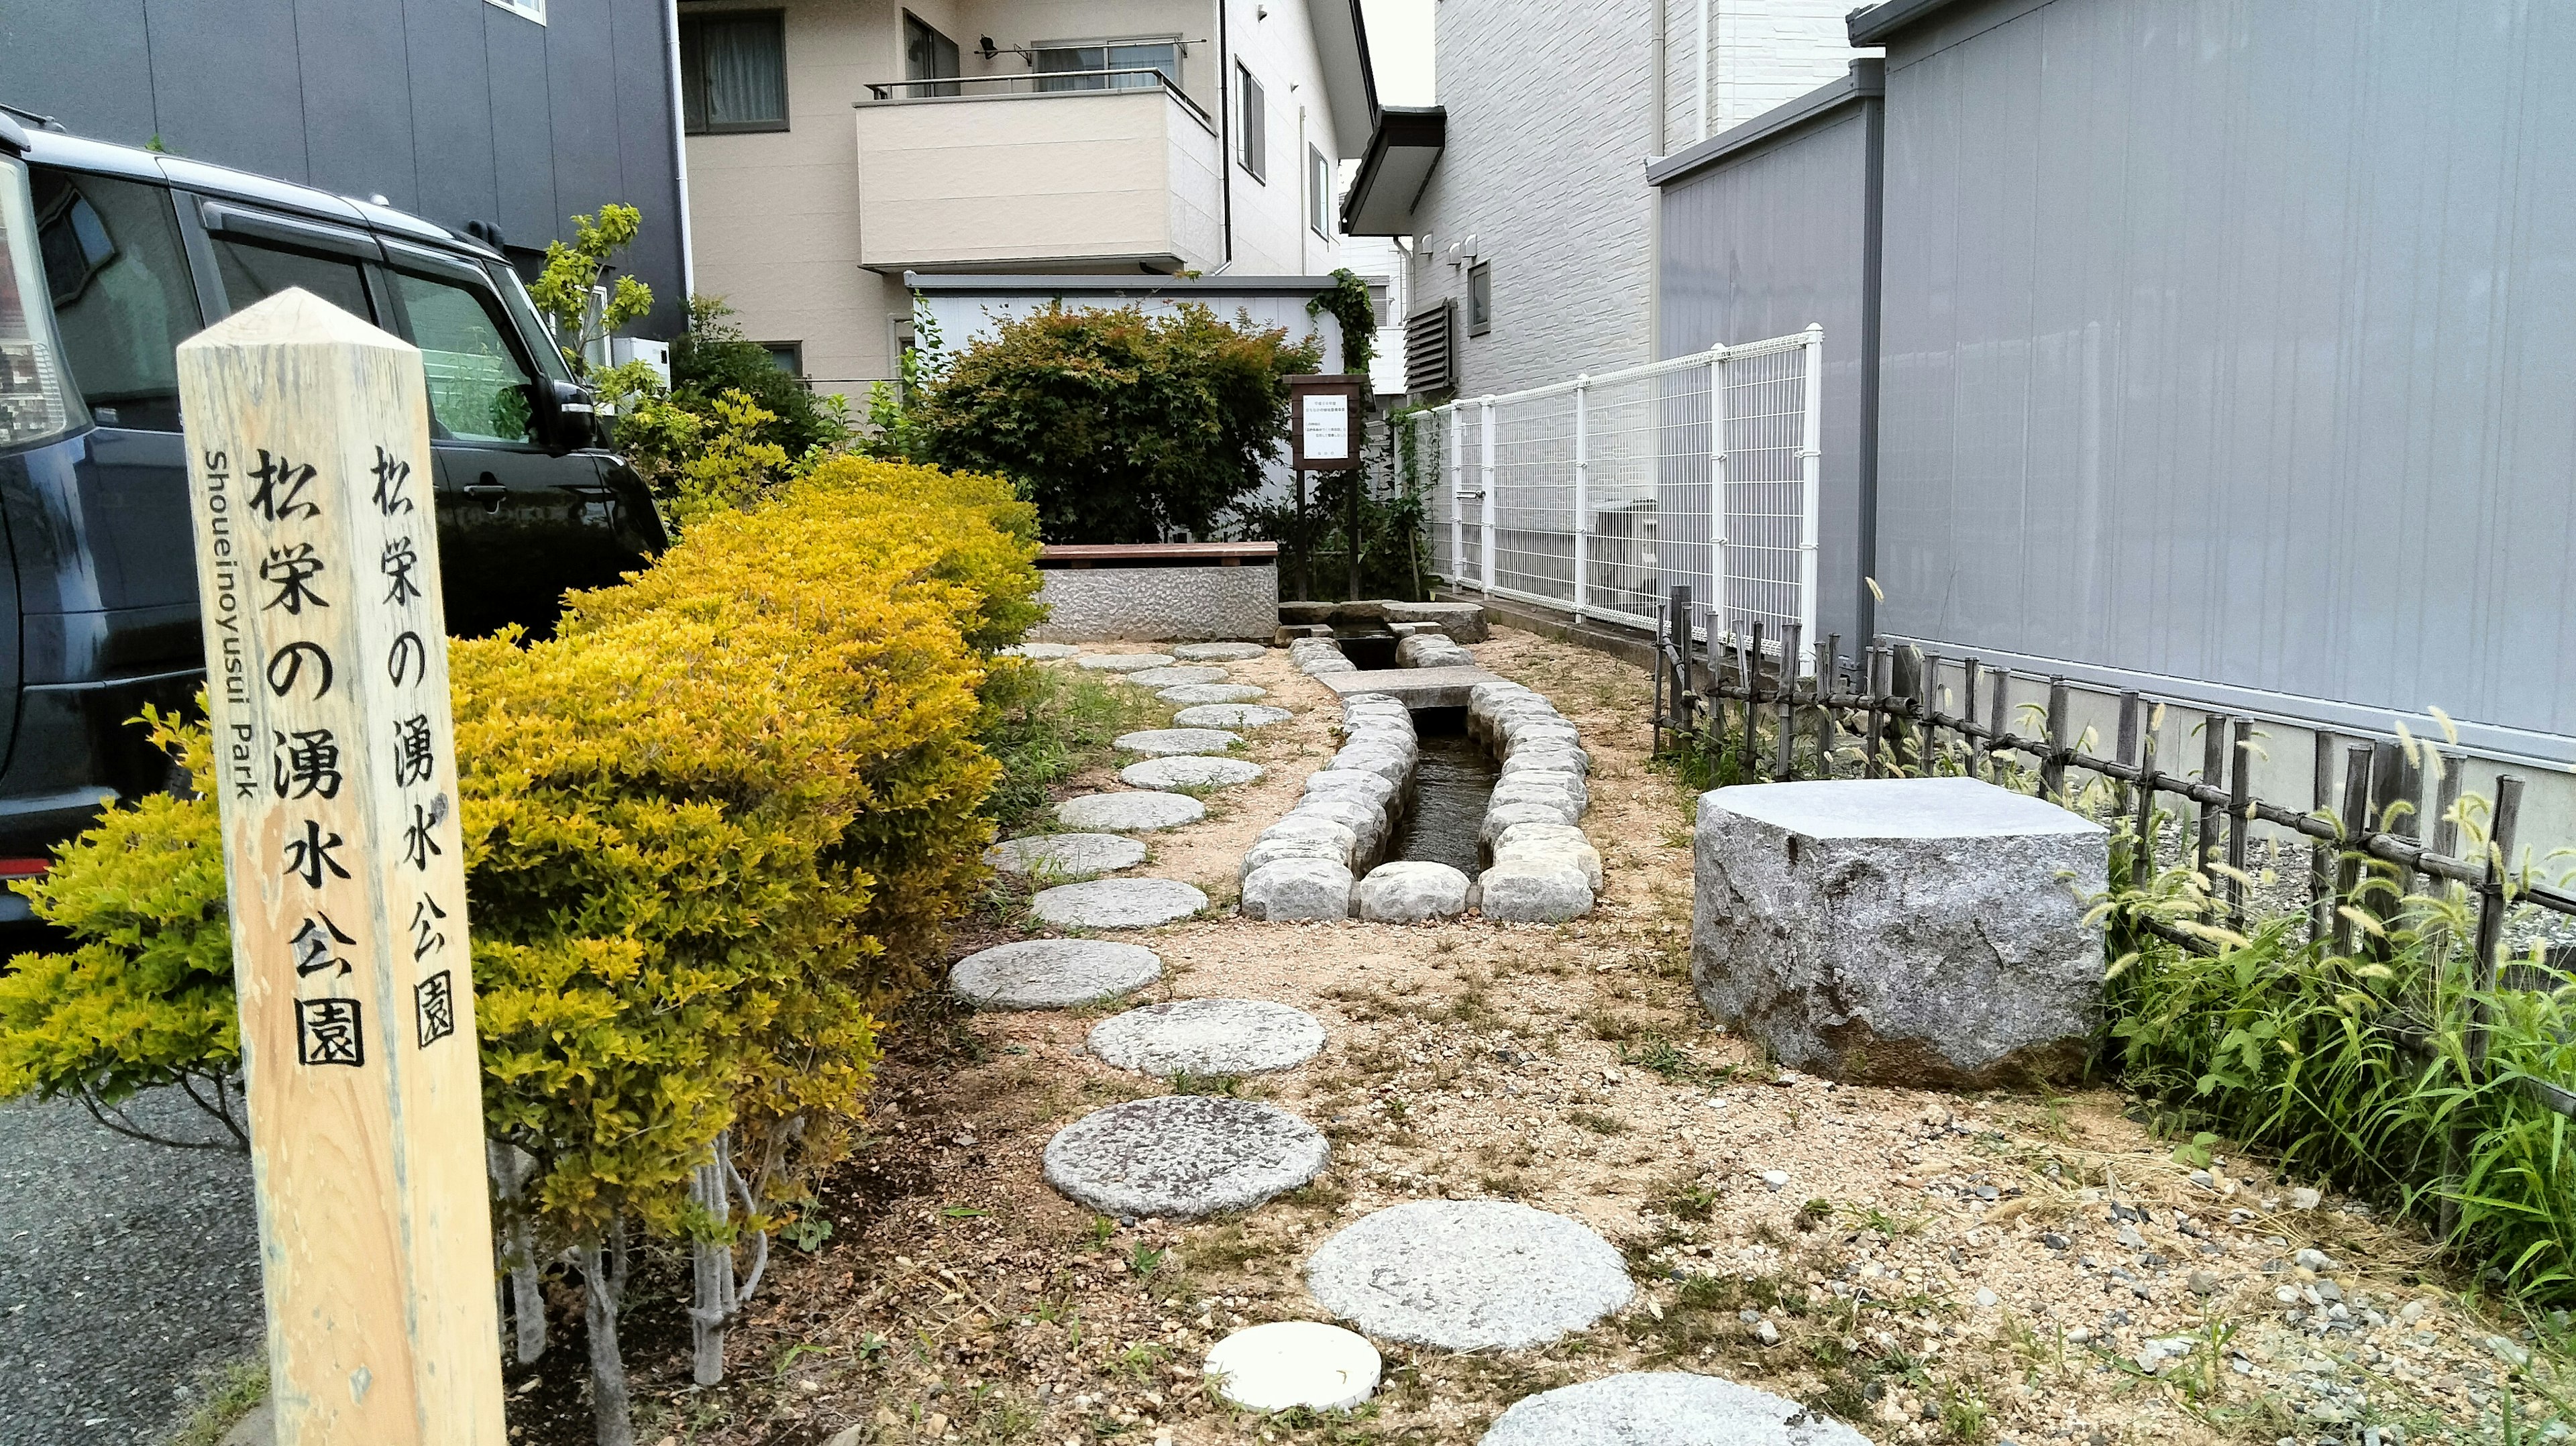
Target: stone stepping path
column 1117, row 903
column 1183, row 1157
column 1139, row 812
column 1231, row 715
column 1291, row 1363
column 1218, row 652
column 1066, row 855
column 1468, row 1275
column 1053, row 973
column 1124, row 662
column 1664, row 1408
column 1191, row 694
column 1208, row 1037
column 1175, row 677
column 1163, row 742
column 1186, row 770
column 1040, row 650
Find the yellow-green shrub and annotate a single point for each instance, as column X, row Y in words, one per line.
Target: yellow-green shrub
column 713, row 830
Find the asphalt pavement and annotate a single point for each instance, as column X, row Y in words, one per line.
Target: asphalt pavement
column 126, row 1268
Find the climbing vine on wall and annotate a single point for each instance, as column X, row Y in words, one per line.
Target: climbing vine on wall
column 1349, row 304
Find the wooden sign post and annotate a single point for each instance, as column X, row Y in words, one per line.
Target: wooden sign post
column 326, row 682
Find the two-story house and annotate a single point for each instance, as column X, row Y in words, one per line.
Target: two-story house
column 834, row 145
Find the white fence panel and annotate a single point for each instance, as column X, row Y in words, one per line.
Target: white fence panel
column 1595, row 496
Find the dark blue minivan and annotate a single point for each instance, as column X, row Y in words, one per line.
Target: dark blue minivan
column 109, row 258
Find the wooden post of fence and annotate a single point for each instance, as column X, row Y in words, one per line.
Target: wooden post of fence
column 2495, row 895
column 318, row 584
column 1931, row 705
column 1681, row 608
column 2446, row 807
column 2127, row 744
column 1752, row 675
column 2213, row 774
column 2356, row 829
column 1876, row 694
column 2053, row 772
column 1828, row 654
column 2387, row 789
column 1968, row 672
column 2321, row 914
column 2142, row 857
column 1786, row 732
column 2000, row 710
column 2240, row 797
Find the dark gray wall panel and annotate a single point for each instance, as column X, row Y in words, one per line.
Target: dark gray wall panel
column 454, row 109
column 224, row 82
column 357, row 98
column 451, row 114
column 106, row 77
column 522, row 123
column 2235, row 343
column 1760, row 245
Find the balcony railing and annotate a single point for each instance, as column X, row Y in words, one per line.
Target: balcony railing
column 1036, row 83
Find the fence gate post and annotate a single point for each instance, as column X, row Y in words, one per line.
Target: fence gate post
column 318, row 584
column 1811, row 463
column 1582, row 494
column 1485, row 480
column 1457, row 504
column 1717, row 599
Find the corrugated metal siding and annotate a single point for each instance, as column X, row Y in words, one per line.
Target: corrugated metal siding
column 1762, row 244
column 2236, row 342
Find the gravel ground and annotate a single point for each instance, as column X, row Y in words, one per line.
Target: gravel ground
column 125, row 1269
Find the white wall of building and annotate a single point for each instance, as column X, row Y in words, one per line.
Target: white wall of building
column 1551, row 118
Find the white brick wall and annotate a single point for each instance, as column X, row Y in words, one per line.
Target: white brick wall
column 1551, row 119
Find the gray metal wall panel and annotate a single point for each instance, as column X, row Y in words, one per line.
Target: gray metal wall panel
column 451, row 122
column 1761, row 245
column 453, row 109
column 2234, row 341
column 523, row 123
column 224, row 83
column 108, row 76
column 357, row 98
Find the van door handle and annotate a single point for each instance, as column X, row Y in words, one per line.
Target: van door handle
column 489, row 494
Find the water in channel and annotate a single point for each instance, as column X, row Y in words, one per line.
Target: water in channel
column 1451, row 784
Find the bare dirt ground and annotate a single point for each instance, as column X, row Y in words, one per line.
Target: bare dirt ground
column 1929, row 1266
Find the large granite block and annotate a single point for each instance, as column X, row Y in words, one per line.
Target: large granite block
column 1102, row 604
column 1925, row 931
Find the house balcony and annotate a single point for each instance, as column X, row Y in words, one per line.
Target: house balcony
column 998, row 174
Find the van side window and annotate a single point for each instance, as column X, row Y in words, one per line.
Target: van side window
column 478, row 388
column 122, row 298
column 253, row 273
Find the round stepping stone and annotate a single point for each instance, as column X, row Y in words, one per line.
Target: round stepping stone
column 1053, row 973
column 1129, row 812
column 1468, row 1274
column 1124, row 662
column 1175, row 677
column 1065, row 855
column 1040, row 650
column 1218, row 652
column 1163, row 742
column 1231, row 715
column 1208, row 1037
column 1181, row 1157
column 1664, row 1408
column 1117, row 903
column 1191, row 694
column 1187, row 770
column 1291, row 1363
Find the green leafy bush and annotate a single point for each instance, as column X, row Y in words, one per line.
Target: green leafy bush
column 1120, row 426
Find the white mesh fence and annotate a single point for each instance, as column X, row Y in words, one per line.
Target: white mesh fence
column 1593, row 496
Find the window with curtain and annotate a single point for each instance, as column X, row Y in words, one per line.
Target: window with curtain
column 1085, row 67
column 733, row 72
column 1255, row 111
column 927, row 55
